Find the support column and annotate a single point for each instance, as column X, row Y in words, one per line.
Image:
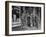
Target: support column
column 34, row 11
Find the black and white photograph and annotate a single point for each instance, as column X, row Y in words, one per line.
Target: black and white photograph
column 25, row 18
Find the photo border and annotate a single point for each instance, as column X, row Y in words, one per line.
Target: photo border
column 7, row 17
